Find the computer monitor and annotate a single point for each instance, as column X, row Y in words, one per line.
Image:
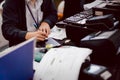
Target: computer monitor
column 16, row 63
column 72, row 7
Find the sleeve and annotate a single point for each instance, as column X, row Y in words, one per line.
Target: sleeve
column 10, row 16
column 49, row 12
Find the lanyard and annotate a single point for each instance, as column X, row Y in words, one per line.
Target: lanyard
column 36, row 22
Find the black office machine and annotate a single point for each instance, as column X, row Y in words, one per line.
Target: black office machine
column 105, row 45
column 79, row 18
column 112, row 7
column 102, row 23
column 98, row 32
column 95, row 72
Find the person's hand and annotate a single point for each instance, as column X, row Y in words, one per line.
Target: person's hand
column 45, row 28
column 41, row 36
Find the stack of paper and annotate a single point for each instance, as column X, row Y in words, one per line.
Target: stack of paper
column 62, row 63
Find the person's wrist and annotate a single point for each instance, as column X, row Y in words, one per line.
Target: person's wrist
column 28, row 35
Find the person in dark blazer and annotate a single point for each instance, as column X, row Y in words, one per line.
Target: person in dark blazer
column 17, row 18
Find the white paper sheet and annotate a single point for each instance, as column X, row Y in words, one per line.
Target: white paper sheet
column 92, row 4
column 58, row 33
column 62, row 63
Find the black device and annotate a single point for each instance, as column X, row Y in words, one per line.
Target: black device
column 72, row 7
column 76, row 33
column 95, row 72
column 113, row 5
column 103, row 22
column 111, row 8
column 104, row 45
column 86, row 14
column 60, row 24
column 95, row 24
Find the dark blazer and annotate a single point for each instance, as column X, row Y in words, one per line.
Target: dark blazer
column 14, row 19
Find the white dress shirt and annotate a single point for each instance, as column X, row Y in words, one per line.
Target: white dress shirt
column 37, row 13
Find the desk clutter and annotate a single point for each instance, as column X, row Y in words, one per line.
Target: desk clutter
column 99, row 32
column 62, row 63
column 81, row 47
column 86, row 29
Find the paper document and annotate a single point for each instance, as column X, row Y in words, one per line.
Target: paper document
column 92, row 4
column 62, row 63
column 53, row 42
column 58, row 33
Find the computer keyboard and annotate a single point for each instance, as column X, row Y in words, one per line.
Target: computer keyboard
column 79, row 17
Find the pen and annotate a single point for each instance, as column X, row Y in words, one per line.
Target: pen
column 35, row 25
column 96, row 34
